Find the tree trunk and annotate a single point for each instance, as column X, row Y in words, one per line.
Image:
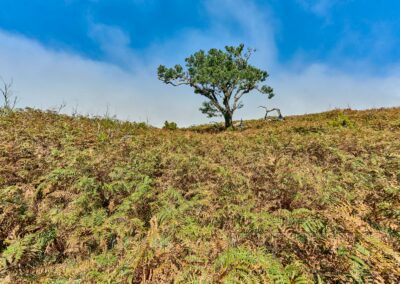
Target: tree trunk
column 228, row 119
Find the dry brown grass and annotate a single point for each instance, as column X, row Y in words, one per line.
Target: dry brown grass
column 315, row 198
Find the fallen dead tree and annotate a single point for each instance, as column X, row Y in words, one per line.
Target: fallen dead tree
column 277, row 110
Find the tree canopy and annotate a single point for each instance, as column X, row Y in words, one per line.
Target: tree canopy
column 222, row 76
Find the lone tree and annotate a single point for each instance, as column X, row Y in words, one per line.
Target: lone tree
column 222, row 76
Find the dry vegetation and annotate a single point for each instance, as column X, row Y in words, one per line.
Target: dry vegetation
column 312, row 199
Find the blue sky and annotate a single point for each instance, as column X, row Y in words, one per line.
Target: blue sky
column 100, row 54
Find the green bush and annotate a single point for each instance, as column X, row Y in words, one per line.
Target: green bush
column 170, row 125
column 342, row 120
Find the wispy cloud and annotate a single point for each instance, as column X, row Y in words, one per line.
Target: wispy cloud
column 372, row 45
column 114, row 44
column 320, row 87
column 318, row 7
column 45, row 78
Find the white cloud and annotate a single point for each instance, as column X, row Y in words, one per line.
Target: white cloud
column 255, row 26
column 320, row 87
column 319, row 7
column 114, row 44
column 45, row 77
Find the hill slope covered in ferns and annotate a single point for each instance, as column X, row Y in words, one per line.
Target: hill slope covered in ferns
column 312, row 199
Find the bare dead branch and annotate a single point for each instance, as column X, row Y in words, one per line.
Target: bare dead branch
column 6, row 91
column 61, row 106
column 267, row 111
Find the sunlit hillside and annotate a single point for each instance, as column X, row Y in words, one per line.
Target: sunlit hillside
column 311, row 199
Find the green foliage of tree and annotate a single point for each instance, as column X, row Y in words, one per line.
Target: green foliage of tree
column 222, row 76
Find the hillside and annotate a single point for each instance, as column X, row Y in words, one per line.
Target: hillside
column 312, row 199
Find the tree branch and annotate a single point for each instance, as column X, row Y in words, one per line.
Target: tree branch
column 238, row 96
column 176, row 84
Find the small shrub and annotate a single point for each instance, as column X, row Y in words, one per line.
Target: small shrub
column 170, row 125
column 342, row 120
column 142, row 125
